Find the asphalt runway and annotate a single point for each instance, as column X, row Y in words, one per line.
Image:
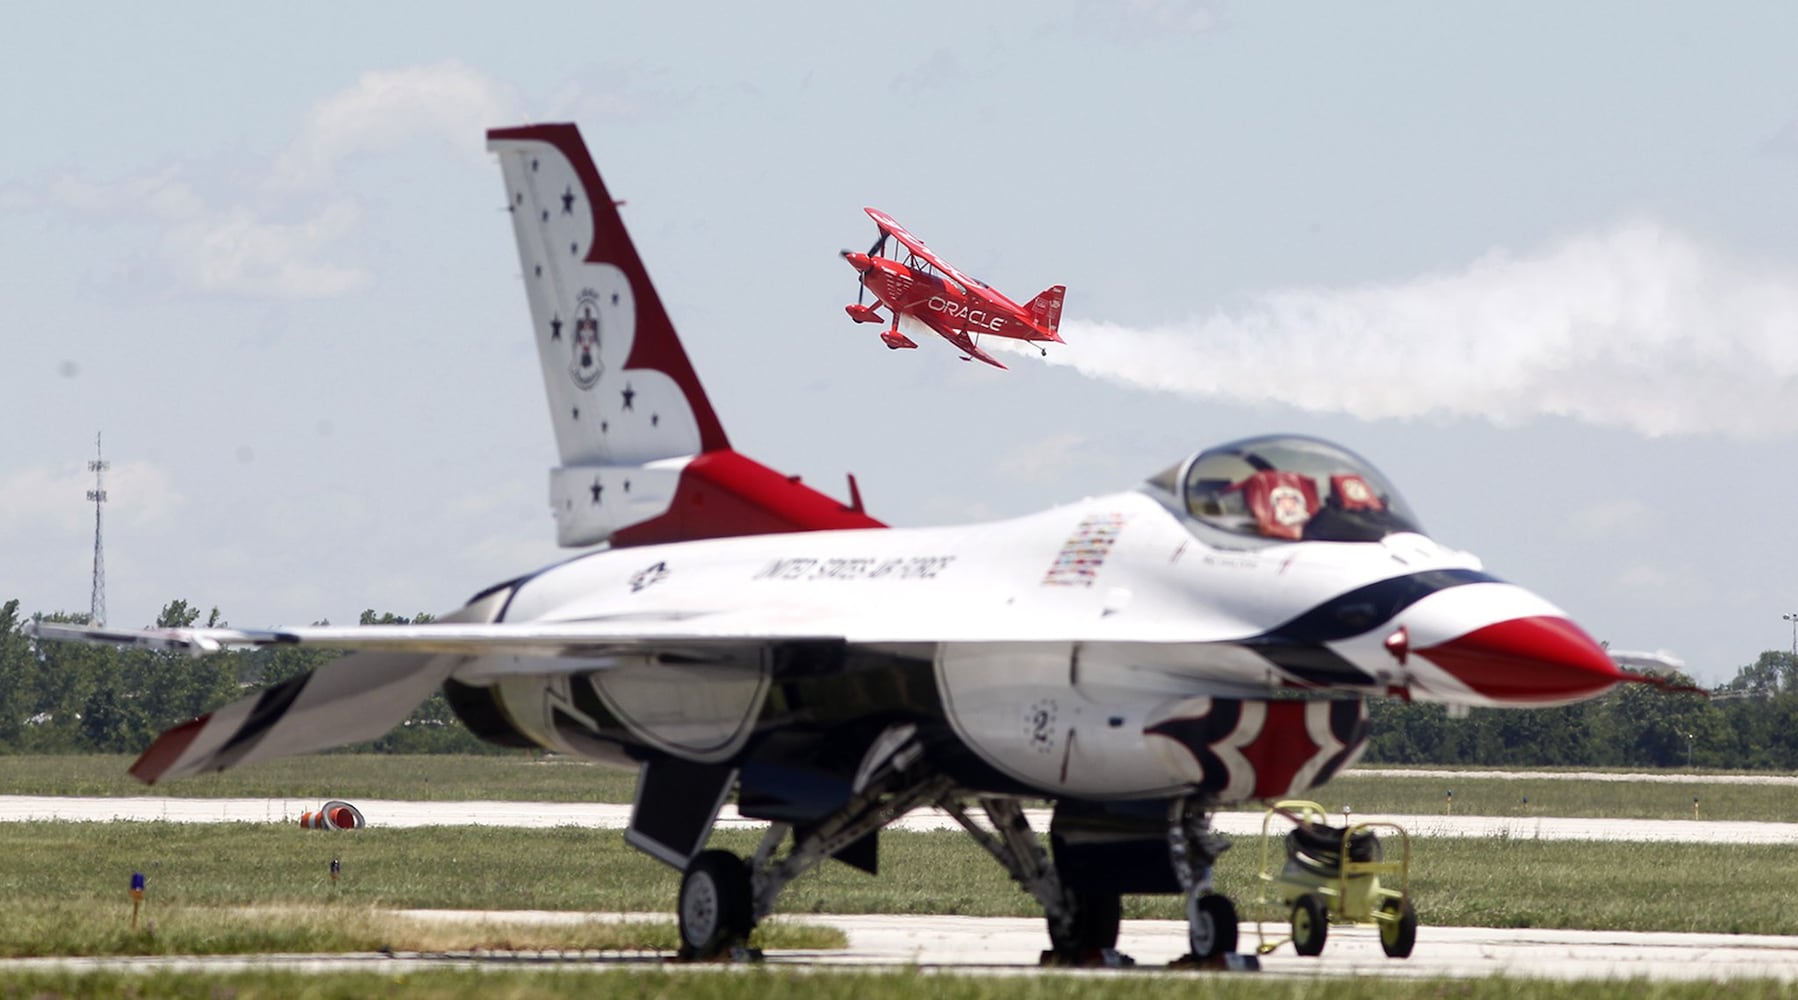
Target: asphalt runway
column 400, row 813
column 1012, row 946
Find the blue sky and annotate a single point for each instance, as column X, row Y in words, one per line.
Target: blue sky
column 1535, row 261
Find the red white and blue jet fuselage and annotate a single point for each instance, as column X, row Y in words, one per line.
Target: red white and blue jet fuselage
column 1139, row 659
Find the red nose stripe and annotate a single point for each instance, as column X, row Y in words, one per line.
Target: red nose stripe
column 1528, row 660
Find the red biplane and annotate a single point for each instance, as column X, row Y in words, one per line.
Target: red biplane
column 960, row 309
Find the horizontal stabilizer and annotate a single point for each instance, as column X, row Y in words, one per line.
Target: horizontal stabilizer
column 356, row 698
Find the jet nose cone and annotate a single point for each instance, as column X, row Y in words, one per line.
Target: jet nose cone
column 1535, row 660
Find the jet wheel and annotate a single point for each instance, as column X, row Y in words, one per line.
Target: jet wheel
column 1210, row 925
column 1097, row 916
column 716, row 911
column 1310, row 924
column 1399, row 934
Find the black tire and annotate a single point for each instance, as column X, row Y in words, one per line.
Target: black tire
column 1310, row 924
column 716, row 912
column 1211, row 925
column 1399, row 935
column 1094, row 928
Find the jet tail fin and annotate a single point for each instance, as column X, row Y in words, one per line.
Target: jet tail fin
column 643, row 456
column 1045, row 309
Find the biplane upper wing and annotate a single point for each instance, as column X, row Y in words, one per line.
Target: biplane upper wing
column 891, row 226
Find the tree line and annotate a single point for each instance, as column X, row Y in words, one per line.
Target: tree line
column 65, row 697
column 58, row 697
column 1751, row 722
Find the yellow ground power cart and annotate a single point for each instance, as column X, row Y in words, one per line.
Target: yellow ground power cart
column 1336, row 874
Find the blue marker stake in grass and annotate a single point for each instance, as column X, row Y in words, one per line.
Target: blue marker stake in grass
column 137, row 896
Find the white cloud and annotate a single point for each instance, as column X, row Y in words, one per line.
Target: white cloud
column 1640, row 327
column 163, row 196
column 33, row 500
column 388, row 109
column 1044, row 458
column 941, row 70
column 1783, row 142
column 246, row 254
column 284, row 234
column 1149, row 19
column 1614, row 518
column 1647, row 578
column 14, row 198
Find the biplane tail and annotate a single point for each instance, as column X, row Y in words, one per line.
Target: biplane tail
column 644, row 458
column 1045, row 309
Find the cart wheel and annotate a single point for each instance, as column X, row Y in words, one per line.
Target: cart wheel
column 1310, row 924
column 1211, row 925
column 1398, row 935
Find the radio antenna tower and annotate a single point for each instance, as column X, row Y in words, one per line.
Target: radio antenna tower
column 96, row 614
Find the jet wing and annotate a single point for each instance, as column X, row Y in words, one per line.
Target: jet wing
column 393, row 669
column 579, row 641
column 356, row 698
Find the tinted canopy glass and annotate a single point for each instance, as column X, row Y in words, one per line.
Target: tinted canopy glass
column 1291, row 487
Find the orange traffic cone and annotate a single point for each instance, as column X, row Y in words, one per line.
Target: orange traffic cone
column 335, row 815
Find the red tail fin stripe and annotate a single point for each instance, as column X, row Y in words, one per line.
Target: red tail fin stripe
column 656, row 346
column 722, row 494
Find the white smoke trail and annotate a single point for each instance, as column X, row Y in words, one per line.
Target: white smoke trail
column 1640, row 328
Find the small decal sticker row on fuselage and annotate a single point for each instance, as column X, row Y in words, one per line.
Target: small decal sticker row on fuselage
column 855, row 568
column 1078, row 562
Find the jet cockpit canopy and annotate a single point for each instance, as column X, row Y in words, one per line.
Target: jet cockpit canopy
column 1289, row 487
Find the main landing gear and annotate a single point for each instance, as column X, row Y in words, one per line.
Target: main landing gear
column 1211, row 920
column 723, row 897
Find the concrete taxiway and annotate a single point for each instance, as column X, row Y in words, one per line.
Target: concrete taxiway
column 401, row 813
column 1012, row 946
column 952, row 944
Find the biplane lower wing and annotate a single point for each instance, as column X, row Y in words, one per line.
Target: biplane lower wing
column 965, row 344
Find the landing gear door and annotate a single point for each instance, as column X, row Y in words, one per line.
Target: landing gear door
column 697, row 709
column 677, row 803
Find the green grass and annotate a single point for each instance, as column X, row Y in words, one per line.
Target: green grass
column 429, row 777
column 523, row 777
column 774, row 984
column 41, row 928
column 63, row 885
column 1557, row 797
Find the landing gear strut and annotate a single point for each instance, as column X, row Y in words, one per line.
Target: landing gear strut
column 722, row 897
column 1083, row 926
column 1211, row 921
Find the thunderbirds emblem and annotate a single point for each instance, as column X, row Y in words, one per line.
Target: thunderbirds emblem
column 585, row 365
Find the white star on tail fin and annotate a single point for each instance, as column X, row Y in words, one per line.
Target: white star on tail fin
column 640, row 446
